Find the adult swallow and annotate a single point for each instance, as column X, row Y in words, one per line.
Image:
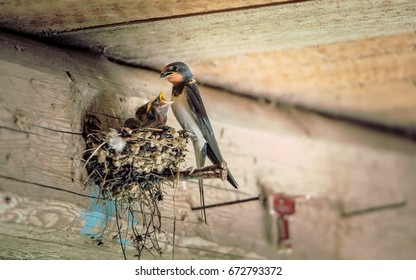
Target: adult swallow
column 152, row 114
column 190, row 112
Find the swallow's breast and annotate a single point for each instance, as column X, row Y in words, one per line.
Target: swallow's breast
column 185, row 116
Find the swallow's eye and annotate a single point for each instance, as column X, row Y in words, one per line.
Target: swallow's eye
column 174, row 68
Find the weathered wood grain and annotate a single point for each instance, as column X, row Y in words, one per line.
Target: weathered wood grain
column 328, row 56
column 356, row 176
column 371, row 79
column 49, row 223
column 271, row 28
column 56, row 16
column 28, row 242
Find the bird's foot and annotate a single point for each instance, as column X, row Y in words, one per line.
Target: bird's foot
column 186, row 134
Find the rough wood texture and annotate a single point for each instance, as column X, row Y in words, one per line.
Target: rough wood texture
column 361, row 180
column 371, row 80
column 56, row 16
column 271, row 28
column 46, row 229
column 352, row 59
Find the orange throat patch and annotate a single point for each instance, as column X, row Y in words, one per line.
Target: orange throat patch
column 175, row 78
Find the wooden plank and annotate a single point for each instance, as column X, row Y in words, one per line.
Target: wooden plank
column 49, row 246
column 50, row 223
column 389, row 240
column 271, row 28
column 372, row 79
column 52, row 16
column 47, row 229
column 345, row 168
column 327, row 56
column 55, row 226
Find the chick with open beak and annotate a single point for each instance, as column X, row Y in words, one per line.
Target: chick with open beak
column 153, row 114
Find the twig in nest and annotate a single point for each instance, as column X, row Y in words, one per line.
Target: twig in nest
column 209, row 172
column 94, row 153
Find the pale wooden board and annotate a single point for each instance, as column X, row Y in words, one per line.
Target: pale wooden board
column 55, row 16
column 270, row 28
column 339, row 164
column 372, row 79
column 48, row 246
column 349, row 58
column 368, row 80
column 39, row 229
column 50, row 223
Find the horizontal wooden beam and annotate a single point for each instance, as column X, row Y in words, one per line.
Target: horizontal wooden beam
column 48, row 16
column 241, row 32
column 372, row 80
column 326, row 56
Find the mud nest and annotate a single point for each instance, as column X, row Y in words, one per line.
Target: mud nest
column 125, row 163
column 131, row 167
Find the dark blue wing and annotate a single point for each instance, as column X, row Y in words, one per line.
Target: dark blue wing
column 197, row 106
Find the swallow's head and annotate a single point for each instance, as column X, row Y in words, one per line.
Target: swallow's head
column 176, row 73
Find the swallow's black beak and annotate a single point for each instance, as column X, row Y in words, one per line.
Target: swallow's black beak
column 164, row 75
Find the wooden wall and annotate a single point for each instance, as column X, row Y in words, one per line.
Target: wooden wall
column 310, row 98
